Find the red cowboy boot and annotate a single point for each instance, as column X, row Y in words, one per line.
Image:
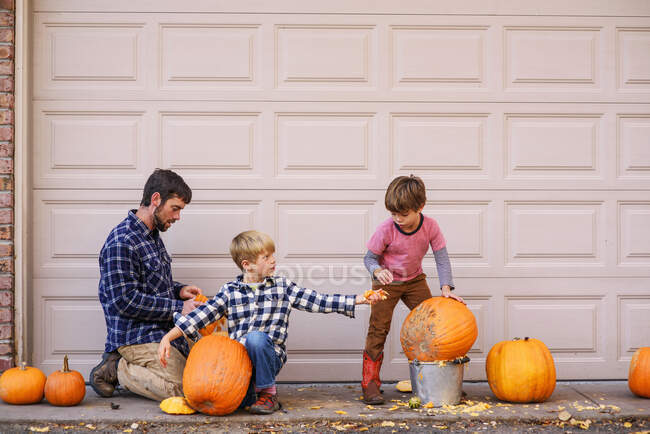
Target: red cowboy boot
column 370, row 383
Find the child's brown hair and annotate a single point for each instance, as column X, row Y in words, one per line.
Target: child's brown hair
column 405, row 193
column 248, row 246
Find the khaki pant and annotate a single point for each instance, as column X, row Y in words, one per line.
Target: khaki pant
column 140, row 371
column 411, row 292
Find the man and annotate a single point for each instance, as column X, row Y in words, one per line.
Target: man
column 139, row 296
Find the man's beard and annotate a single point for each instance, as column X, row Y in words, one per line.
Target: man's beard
column 159, row 224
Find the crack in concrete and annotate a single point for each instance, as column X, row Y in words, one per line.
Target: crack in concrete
column 585, row 396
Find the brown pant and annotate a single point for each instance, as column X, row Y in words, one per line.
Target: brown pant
column 140, row 371
column 412, row 293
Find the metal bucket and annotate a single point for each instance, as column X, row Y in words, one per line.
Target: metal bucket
column 437, row 383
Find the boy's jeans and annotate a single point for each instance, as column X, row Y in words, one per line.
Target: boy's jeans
column 266, row 364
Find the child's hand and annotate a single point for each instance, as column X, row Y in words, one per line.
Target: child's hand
column 163, row 351
column 370, row 299
column 383, row 275
column 446, row 292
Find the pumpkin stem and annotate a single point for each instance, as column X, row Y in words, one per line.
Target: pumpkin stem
column 23, row 366
column 65, row 364
column 526, row 338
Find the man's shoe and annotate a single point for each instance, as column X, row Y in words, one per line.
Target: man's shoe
column 103, row 377
column 266, row 404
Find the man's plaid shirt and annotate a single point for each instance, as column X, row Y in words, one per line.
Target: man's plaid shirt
column 136, row 289
column 264, row 309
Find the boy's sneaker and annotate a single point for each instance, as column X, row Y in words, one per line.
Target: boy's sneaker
column 266, row 404
column 103, row 377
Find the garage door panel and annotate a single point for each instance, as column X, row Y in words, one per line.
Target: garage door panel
column 314, row 342
column 303, row 53
column 221, row 55
column 634, row 324
column 465, row 227
column 91, row 52
column 552, row 57
column 70, row 231
column 545, row 146
column 632, row 46
column 562, row 233
column 87, row 146
column 633, row 146
column 532, row 316
column 430, row 57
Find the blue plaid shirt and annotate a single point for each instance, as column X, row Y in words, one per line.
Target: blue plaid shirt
column 136, row 289
column 264, row 309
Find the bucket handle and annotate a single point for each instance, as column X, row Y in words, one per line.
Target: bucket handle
column 460, row 361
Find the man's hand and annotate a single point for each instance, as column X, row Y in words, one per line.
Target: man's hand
column 189, row 306
column 163, row 351
column 446, row 292
column 189, row 291
column 383, row 275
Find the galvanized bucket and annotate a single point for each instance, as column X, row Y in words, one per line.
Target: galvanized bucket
column 440, row 384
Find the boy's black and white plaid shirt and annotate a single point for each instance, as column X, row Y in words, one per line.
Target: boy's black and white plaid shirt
column 264, row 309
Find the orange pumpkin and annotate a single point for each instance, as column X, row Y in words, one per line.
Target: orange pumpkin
column 216, row 375
column 22, row 385
column 221, row 323
column 65, row 387
column 639, row 376
column 521, row 371
column 439, row 328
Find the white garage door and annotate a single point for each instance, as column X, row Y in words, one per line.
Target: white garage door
column 530, row 125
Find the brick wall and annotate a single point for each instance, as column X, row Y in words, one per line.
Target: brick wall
column 7, row 348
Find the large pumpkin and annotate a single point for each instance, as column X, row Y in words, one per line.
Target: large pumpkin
column 65, row 387
column 220, row 325
column 216, row 375
column 22, row 385
column 639, row 376
column 439, row 328
column 521, row 371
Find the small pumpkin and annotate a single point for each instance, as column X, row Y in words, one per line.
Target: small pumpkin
column 22, row 385
column 439, row 328
column 404, row 386
column 66, row 387
column 220, row 325
column 638, row 379
column 415, row 402
column 521, row 370
column 216, row 375
column 176, row 405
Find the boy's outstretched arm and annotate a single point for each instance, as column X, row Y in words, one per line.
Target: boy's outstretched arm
column 165, row 345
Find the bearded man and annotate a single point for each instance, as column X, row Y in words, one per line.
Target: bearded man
column 139, row 296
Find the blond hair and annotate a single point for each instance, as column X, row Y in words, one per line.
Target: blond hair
column 248, row 245
column 405, row 193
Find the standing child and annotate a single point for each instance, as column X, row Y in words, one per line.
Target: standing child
column 258, row 304
column 394, row 259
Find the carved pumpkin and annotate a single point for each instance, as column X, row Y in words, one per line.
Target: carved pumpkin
column 639, row 376
column 176, row 405
column 22, row 385
column 439, row 328
column 521, row 371
column 66, row 387
column 221, row 325
column 216, row 375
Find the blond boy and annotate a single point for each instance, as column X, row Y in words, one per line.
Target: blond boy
column 258, row 304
